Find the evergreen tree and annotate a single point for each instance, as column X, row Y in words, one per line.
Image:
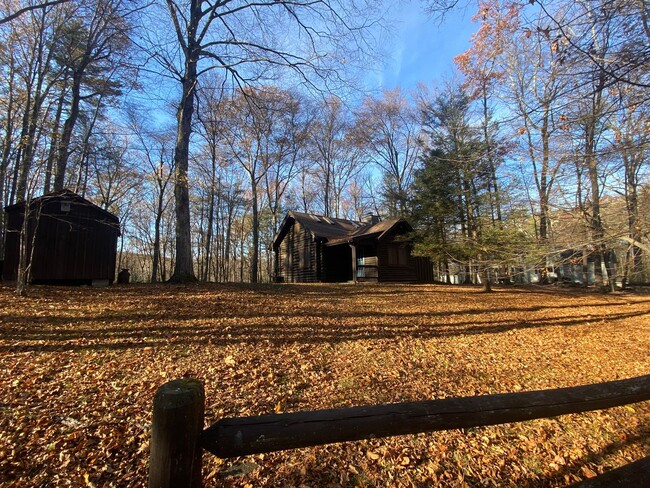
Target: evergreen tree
column 452, row 191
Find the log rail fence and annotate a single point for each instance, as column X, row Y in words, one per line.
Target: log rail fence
column 178, row 438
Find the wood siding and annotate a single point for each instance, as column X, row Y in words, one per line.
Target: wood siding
column 391, row 272
column 303, row 258
column 424, row 269
column 298, row 259
column 75, row 242
column 389, row 269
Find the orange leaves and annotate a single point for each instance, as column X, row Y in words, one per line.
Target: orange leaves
column 79, row 382
column 372, row 455
column 587, row 472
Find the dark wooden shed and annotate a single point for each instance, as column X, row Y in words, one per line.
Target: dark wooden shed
column 75, row 241
column 313, row 248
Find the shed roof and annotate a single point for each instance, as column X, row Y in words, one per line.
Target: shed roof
column 64, row 195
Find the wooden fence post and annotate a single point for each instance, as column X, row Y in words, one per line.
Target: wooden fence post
column 175, row 449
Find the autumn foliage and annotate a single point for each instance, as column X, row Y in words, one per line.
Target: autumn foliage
column 79, row 368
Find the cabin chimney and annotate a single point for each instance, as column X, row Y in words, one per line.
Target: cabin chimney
column 371, row 219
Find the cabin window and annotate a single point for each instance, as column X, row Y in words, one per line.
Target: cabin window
column 397, row 255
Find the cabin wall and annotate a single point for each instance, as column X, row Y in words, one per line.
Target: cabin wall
column 395, row 272
column 424, row 269
column 298, row 258
column 395, row 264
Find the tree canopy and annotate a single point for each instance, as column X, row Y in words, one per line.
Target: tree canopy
column 532, row 162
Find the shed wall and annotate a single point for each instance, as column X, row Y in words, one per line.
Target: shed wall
column 71, row 246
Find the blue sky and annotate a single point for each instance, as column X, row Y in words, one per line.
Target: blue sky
column 422, row 48
column 419, row 49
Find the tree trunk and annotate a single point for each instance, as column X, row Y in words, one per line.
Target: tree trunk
column 25, row 155
column 544, row 186
column 485, row 280
column 634, row 229
column 26, row 252
column 227, row 239
column 156, row 239
column 493, row 187
column 54, row 138
column 210, row 224
column 21, row 275
column 119, row 261
column 68, row 127
column 184, row 266
column 6, row 153
column 256, row 234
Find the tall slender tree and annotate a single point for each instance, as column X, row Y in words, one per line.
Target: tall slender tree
column 94, row 47
column 240, row 39
column 451, row 194
column 388, row 128
column 334, row 155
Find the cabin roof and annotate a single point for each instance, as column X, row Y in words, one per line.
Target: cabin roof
column 325, row 227
column 335, row 231
column 377, row 230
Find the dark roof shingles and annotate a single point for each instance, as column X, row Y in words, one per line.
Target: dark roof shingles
column 340, row 230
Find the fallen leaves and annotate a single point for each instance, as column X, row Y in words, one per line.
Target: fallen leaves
column 80, row 366
column 372, row 455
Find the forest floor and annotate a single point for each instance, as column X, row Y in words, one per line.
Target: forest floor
column 79, row 368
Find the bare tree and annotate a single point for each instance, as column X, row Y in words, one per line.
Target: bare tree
column 8, row 16
column 34, row 56
column 389, row 128
column 631, row 142
column 8, row 115
column 335, row 156
column 589, row 111
column 262, row 133
column 524, row 69
column 156, row 147
column 571, row 26
column 241, row 40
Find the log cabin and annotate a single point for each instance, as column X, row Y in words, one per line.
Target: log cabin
column 314, row 248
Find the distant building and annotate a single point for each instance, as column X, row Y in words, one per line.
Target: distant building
column 75, row 242
column 313, row 248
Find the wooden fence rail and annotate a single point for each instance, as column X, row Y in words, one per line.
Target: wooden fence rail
column 173, row 418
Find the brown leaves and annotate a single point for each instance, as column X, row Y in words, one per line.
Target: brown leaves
column 588, row 473
column 80, row 367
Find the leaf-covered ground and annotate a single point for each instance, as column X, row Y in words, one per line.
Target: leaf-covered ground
column 79, row 368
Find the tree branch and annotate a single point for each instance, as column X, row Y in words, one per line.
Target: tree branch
column 24, row 10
